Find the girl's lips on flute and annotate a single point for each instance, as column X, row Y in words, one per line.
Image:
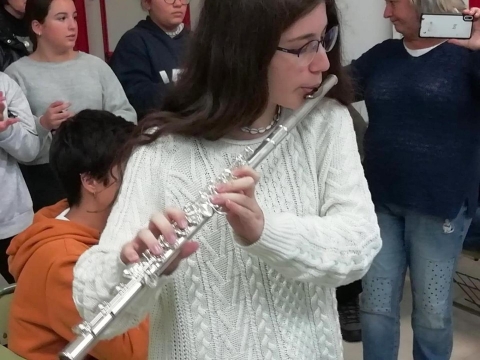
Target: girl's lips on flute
column 310, row 89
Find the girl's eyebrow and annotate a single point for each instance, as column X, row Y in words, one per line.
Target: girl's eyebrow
column 309, row 36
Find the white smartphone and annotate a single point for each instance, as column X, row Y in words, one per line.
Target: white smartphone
column 446, row 26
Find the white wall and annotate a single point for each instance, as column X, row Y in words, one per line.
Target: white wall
column 122, row 16
column 363, row 26
column 94, row 27
column 195, row 7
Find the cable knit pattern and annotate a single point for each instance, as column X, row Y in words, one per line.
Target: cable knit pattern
column 272, row 300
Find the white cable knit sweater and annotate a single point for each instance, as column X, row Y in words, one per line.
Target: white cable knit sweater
column 271, row 300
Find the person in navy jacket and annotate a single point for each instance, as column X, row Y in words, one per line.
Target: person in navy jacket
column 147, row 58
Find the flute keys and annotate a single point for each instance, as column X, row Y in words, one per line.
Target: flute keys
column 196, row 212
column 165, row 244
column 82, row 328
column 192, row 214
column 151, row 280
column 147, row 255
column 247, row 153
column 180, row 232
column 103, row 307
column 127, row 273
column 120, row 288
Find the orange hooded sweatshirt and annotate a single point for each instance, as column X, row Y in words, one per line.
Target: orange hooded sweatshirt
column 43, row 313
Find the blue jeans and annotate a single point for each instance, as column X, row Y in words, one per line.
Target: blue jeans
column 429, row 247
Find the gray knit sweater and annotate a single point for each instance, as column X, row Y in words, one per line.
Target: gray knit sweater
column 87, row 82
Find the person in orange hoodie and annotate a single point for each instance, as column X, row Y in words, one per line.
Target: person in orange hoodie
column 43, row 256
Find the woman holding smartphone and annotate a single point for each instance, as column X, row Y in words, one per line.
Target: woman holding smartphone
column 422, row 162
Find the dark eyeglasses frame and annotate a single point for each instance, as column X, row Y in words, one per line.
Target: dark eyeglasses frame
column 171, row 2
column 319, row 42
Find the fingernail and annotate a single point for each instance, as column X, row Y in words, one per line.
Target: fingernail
column 215, row 198
column 172, row 238
column 183, row 223
column 157, row 249
column 220, row 187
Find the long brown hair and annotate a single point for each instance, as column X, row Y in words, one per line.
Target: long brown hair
column 224, row 84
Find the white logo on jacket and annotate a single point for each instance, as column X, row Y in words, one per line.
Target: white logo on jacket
column 175, row 74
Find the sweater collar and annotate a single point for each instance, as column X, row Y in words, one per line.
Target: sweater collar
column 150, row 24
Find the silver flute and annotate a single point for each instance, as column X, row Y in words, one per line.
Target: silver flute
column 150, row 268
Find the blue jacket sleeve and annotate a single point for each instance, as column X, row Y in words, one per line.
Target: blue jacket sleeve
column 358, row 70
column 361, row 69
column 131, row 64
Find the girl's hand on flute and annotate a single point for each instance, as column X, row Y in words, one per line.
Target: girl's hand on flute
column 146, row 239
column 237, row 198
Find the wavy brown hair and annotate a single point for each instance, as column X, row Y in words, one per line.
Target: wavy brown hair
column 224, row 84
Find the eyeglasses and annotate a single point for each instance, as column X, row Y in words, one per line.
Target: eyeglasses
column 171, row 2
column 307, row 52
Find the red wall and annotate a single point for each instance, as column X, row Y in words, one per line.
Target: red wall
column 474, row 3
column 187, row 17
column 82, row 40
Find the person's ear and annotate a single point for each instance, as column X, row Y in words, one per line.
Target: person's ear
column 147, row 5
column 89, row 184
column 37, row 28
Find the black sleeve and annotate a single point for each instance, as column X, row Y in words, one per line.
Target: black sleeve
column 3, row 59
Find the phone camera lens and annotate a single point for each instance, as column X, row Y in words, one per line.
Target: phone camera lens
column 468, row 17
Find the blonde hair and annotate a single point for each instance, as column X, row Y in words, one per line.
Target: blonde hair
column 439, row 6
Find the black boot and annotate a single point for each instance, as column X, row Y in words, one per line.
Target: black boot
column 349, row 314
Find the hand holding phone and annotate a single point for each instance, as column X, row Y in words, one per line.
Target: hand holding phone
column 472, row 43
column 446, row 26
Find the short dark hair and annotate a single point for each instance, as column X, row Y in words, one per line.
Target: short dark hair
column 87, row 143
column 224, row 83
column 36, row 10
